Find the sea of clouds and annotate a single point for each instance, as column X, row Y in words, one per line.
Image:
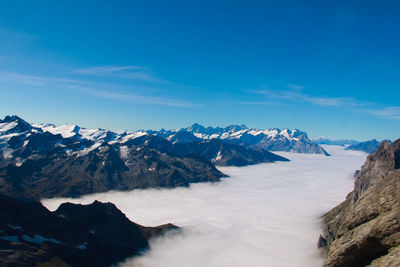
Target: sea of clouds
column 262, row 215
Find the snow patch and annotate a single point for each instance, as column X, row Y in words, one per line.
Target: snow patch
column 4, row 127
column 87, row 150
column 65, row 130
column 124, row 152
column 219, row 156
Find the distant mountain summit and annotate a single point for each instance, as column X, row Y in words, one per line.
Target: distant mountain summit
column 368, row 146
column 340, row 142
column 273, row 139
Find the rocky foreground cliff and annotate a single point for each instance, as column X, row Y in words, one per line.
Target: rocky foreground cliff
column 364, row 230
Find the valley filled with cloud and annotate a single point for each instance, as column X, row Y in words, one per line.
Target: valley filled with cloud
column 261, row 215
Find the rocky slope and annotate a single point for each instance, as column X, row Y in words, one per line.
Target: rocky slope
column 364, row 230
column 269, row 139
column 217, row 151
column 74, row 235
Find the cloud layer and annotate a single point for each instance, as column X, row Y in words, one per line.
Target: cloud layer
column 262, row 215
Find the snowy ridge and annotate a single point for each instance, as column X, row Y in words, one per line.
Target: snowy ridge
column 19, row 138
column 273, row 139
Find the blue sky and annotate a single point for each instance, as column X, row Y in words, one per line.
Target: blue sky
column 331, row 68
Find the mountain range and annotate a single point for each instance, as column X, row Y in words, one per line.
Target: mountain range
column 44, row 161
column 368, row 146
column 339, row 142
column 272, row 139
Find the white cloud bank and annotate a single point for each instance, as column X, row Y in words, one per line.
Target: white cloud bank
column 263, row 215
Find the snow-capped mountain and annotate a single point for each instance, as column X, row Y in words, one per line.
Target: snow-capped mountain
column 68, row 160
column 272, row 139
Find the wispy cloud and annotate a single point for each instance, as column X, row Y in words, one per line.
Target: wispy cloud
column 125, row 72
column 100, row 70
column 138, row 99
column 96, row 89
column 13, row 77
column 257, row 103
column 10, row 77
column 295, row 87
column 16, row 37
column 296, row 95
column 388, row 112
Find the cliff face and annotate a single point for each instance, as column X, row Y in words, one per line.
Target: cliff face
column 365, row 228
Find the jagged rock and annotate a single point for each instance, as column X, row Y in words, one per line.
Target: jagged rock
column 321, row 242
column 74, row 235
column 365, row 228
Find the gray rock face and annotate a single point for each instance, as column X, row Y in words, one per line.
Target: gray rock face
column 365, row 228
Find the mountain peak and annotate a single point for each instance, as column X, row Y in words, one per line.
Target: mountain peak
column 197, row 127
column 12, row 118
column 235, row 127
column 21, row 125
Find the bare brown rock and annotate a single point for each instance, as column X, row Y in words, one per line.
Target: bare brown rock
column 365, row 228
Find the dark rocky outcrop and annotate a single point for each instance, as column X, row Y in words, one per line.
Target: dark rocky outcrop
column 365, row 228
column 217, row 151
column 74, row 235
column 103, row 169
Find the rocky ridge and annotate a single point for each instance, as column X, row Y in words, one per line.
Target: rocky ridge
column 364, row 230
column 74, row 235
